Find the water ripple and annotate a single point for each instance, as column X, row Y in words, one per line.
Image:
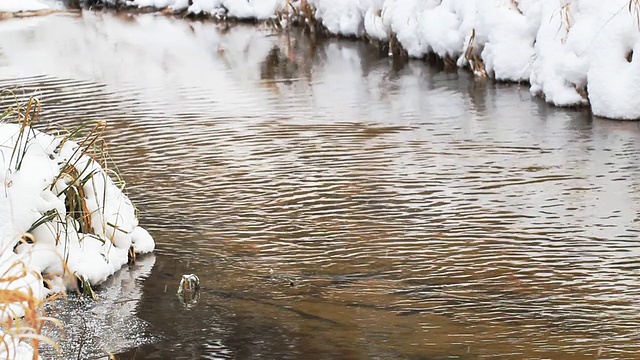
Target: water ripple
column 426, row 213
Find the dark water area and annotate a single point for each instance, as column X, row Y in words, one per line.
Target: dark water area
column 338, row 205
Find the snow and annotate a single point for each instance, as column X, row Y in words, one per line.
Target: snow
column 571, row 52
column 33, row 188
column 11, row 347
column 373, row 25
column 242, row 9
column 21, row 5
column 342, row 17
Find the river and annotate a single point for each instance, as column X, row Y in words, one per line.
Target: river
column 337, row 204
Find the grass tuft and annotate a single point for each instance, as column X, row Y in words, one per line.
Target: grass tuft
column 26, row 117
column 472, row 55
column 634, row 9
column 29, row 328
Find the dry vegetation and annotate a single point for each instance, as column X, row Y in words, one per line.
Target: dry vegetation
column 15, row 296
column 27, row 328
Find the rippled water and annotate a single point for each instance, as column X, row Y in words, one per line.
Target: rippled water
column 338, row 205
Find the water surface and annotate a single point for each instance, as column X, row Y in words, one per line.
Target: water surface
column 339, row 205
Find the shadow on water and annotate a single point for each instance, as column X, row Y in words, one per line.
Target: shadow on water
column 338, row 205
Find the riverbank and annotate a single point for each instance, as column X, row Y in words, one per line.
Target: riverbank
column 572, row 53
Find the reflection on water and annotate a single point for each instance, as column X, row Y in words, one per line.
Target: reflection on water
column 338, row 205
column 95, row 329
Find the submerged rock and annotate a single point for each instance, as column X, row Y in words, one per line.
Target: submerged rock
column 189, row 290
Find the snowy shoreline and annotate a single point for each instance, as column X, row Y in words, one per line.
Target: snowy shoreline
column 571, row 52
column 62, row 214
column 64, row 221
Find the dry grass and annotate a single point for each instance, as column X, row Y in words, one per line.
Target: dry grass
column 517, row 6
column 567, row 17
column 29, row 327
column 74, row 192
column 26, row 116
column 634, row 9
column 16, row 299
column 302, row 15
column 472, row 55
column 84, row 148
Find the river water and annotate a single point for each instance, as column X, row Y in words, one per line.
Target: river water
column 337, row 204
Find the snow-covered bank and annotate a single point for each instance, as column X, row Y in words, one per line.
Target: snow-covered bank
column 572, row 52
column 63, row 220
column 21, row 5
column 77, row 216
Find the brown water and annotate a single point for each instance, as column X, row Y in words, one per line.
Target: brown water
column 338, row 205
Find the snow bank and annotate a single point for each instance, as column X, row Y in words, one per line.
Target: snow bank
column 62, row 218
column 241, row 9
column 12, row 347
column 21, row 5
column 77, row 215
column 572, row 52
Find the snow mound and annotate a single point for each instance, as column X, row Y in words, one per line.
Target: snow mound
column 241, row 9
column 61, row 214
column 21, row 5
column 62, row 219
